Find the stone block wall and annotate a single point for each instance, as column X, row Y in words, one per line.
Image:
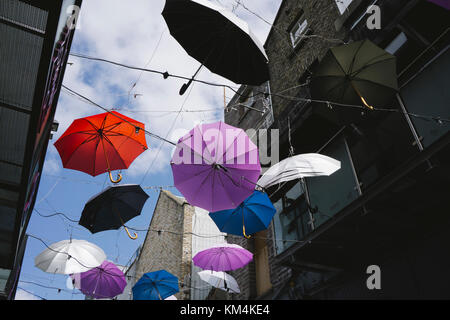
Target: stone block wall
column 170, row 251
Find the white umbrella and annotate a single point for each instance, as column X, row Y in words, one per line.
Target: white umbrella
column 70, row 256
column 171, row 298
column 300, row 166
column 220, row 280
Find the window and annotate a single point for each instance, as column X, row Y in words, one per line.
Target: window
column 298, row 30
column 291, row 222
column 330, row 194
column 343, row 5
column 397, row 43
column 427, row 93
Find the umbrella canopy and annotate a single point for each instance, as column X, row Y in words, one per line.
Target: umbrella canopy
column 251, row 216
column 157, row 285
column 216, row 166
column 70, row 256
column 299, row 166
column 101, row 143
column 113, row 207
column 104, row 281
column 354, row 73
column 218, row 39
column 171, row 298
column 220, row 280
column 223, row 257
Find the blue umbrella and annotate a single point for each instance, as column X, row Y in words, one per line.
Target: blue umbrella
column 251, row 216
column 156, row 285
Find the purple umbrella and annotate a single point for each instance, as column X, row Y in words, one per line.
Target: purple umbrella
column 216, row 166
column 105, row 281
column 224, row 257
column 443, row 3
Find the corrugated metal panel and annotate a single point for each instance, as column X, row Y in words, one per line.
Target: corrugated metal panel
column 10, row 196
column 13, row 136
column 7, row 218
column 24, row 14
column 20, row 53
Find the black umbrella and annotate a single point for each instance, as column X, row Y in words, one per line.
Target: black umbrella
column 217, row 39
column 354, row 73
column 112, row 208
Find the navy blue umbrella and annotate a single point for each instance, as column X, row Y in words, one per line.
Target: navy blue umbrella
column 157, row 285
column 251, row 216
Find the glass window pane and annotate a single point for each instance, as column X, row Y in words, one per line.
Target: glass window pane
column 291, row 219
column 428, row 94
column 293, row 194
column 331, row 194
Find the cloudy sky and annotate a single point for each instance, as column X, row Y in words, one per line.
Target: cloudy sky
column 135, row 33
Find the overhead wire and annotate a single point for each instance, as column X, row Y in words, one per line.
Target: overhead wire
column 440, row 120
column 168, row 132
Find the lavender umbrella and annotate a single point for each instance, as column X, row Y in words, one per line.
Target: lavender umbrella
column 216, row 166
column 223, row 257
column 105, row 281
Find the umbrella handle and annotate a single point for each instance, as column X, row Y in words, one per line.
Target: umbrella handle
column 129, row 234
column 361, row 97
column 243, row 232
column 185, row 86
column 119, row 177
column 365, row 103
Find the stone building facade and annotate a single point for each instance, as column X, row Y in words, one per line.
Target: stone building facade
column 364, row 212
column 168, row 244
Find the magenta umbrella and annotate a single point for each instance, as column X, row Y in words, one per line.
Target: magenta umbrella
column 216, row 166
column 224, row 257
column 105, row 281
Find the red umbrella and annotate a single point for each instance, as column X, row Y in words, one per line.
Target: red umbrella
column 102, row 143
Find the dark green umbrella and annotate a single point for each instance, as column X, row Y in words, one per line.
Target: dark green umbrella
column 359, row 73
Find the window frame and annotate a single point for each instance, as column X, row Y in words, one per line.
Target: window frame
column 297, row 25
